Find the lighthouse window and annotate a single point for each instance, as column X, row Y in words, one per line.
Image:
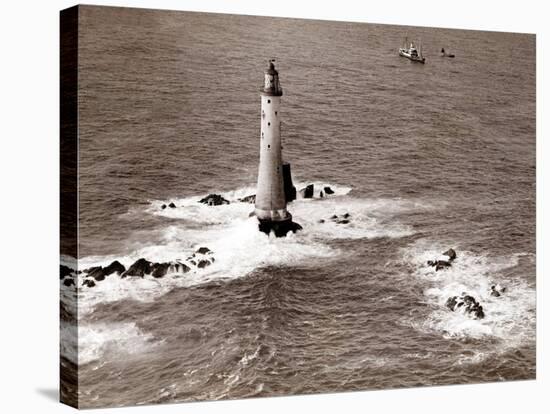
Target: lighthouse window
column 269, row 123
column 262, row 134
column 269, row 146
column 275, row 113
column 269, row 101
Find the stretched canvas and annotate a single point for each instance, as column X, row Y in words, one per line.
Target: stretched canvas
column 258, row 206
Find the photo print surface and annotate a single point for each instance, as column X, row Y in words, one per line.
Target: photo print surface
column 258, row 206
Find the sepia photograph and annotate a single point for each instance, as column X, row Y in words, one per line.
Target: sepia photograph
column 256, row 206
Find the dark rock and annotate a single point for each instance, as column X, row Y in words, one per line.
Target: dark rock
column 451, row 253
column 64, row 271
column 172, row 205
column 214, row 200
column 451, row 302
column 140, row 268
column 96, row 272
column 289, row 189
column 203, row 263
column 307, row 192
column 346, row 215
column 203, row 250
column 163, row 206
column 497, row 290
column 161, row 269
column 441, row 264
column 342, row 221
column 88, row 282
column 248, row 199
column 333, row 217
column 328, row 190
column 321, row 194
column 321, row 221
column 99, row 273
column 69, row 281
column 116, row 266
column 466, row 304
column 279, row 228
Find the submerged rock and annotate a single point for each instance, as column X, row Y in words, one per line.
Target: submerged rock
column 497, row 290
column 307, row 192
column 214, row 200
column 466, row 304
column 203, row 263
column 248, row 199
column 139, row 269
column 161, row 269
column 328, row 190
column 343, row 219
column 163, row 206
column 88, row 282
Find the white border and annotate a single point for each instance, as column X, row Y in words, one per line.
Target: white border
column 29, row 218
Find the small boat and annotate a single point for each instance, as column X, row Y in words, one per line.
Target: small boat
column 412, row 52
column 445, row 54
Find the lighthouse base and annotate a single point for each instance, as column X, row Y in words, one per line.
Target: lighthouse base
column 280, row 228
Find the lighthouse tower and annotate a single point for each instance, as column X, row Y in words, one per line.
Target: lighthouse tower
column 270, row 207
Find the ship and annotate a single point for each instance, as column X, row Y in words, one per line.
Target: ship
column 410, row 51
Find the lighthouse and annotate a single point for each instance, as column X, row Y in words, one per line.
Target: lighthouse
column 273, row 175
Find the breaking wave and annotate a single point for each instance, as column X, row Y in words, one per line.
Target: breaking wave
column 239, row 248
column 510, row 317
column 95, row 341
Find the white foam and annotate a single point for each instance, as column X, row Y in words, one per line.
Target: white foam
column 97, row 340
column 239, row 248
column 510, row 317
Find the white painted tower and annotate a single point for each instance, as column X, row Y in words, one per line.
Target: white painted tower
column 270, row 205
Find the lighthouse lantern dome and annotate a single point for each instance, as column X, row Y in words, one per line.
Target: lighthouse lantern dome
column 272, row 87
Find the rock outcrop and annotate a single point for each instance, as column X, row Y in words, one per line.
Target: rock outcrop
column 139, row 269
column 99, row 273
column 289, row 189
column 88, row 282
column 68, row 281
column 328, row 190
column 467, row 304
column 307, row 192
column 172, row 205
column 161, row 269
column 248, row 199
column 214, row 200
column 440, row 264
column 65, row 271
column 341, row 219
column 497, row 290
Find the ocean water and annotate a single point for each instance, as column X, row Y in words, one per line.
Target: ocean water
column 422, row 157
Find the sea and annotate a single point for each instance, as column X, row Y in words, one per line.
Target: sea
column 422, row 157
